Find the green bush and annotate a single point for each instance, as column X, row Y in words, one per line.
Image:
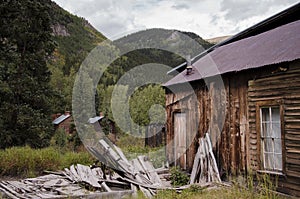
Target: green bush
column 178, row 178
column 59, row 138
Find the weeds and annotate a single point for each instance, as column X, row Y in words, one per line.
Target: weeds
column 28, row 162
column 262, row 188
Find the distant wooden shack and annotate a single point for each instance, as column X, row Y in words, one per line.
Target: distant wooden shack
column 155, row 135
column 253, row 114
column 62, row 121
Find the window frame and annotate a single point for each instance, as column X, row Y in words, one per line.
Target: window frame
column 266, row 104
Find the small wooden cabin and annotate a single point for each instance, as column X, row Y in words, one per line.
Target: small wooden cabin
column 62, row 121
column 246, row 93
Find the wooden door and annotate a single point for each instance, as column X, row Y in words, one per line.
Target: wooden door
column 180, row 139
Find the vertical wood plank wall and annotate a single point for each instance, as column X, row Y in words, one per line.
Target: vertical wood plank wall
column 220, row 110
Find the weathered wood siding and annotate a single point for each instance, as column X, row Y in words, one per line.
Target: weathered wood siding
column 221, row 110
column 184, row 102
column 237, row 149
column 282, row 88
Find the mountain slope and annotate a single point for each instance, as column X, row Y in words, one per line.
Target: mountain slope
column 168, row 47
column 74, row 36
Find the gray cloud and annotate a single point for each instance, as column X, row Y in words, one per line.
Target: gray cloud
column 181, row 6
column 237, row 10
column 206, row 18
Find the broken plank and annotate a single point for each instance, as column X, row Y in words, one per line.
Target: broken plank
column 150, row 170
column 105, row 187
column 140, row 183
column 214, row 162
column 195, row 166
column 7, row 193
column 11, row 190
column 146, row 192
column 87, row 176
column 134, row 189
column 74, row 174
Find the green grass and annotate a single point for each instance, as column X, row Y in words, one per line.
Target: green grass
column 196, row 192
column 28, row 162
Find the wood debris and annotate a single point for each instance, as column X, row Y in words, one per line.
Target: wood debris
column 205, row 167
column 82, row 181
column 128, row 177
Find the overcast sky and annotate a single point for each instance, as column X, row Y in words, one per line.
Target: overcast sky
column 207, row 18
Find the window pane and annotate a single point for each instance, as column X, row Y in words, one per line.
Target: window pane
column 275, row 114
column 265, row 114
column 278, row 162
column 268, row 145
column 277, row 144
column 264, row 129
column 269, row 161
column 276, row 130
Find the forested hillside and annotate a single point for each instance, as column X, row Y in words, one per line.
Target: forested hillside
column 74, row 38
column 42, row 48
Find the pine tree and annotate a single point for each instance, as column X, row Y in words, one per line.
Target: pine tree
column 25, row 44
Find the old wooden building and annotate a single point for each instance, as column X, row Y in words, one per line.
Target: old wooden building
column 245, row 92
column 62, row 121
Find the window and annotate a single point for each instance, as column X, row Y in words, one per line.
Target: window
column 270, row 138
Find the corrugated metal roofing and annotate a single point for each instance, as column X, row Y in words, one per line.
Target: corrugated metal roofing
column 60, row 119
column 95, row 119
column 281, row 44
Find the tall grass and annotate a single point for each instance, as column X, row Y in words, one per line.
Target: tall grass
column 196, row 192
column 28, row 162
column 261, row 188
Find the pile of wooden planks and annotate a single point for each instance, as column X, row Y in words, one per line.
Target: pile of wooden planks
column 84, row 181
column 139, row 172
column 205, row 168
column 76, row 181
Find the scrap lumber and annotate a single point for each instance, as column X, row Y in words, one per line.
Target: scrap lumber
column 87, row 176
column 205, row 167
column 138, row 171
column 88, row 182
column 65, row 186
column 149, row 170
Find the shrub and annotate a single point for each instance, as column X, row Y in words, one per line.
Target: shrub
column 59, row 138
column 178, row 178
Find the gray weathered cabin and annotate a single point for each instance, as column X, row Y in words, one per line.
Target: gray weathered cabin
column 246, row 94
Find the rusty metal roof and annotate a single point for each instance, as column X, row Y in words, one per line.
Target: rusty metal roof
column 278, row 45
